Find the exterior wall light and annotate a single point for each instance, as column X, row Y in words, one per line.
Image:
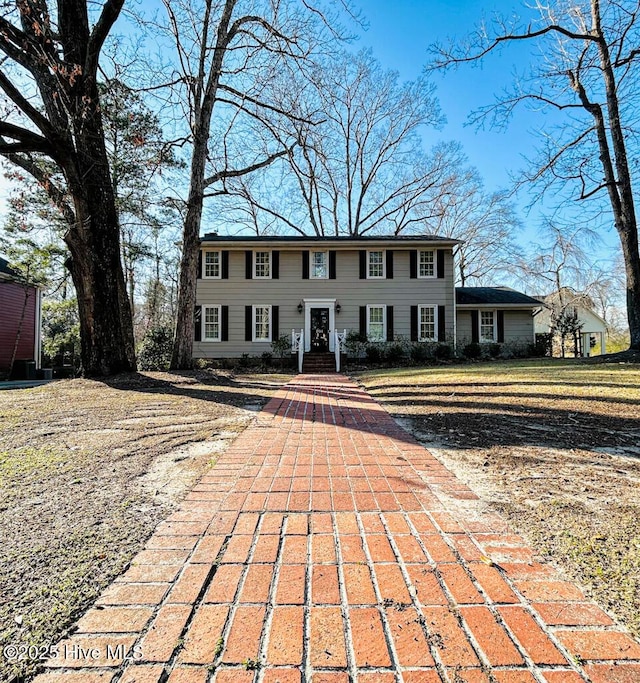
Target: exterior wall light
column 300, row 307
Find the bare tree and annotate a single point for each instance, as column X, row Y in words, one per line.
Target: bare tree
column 588, row 71
column 486, row 223
column 226, row 54
column 362, row 168
column 52, row 110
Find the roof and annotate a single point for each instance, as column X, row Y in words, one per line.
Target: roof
column 341, row 239
column 500, row 296
column 6, row 271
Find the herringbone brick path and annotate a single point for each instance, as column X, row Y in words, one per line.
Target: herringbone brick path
column 328, row 546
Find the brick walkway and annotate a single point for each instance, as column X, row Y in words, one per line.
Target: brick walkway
column 328, row 546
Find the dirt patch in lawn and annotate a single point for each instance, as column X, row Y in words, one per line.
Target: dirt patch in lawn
column 553, row 445
column 87, row 470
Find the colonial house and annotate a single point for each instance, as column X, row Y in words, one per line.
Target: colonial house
column 252, row 290
column 20, row 320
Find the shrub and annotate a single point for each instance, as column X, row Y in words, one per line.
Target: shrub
column 494, row 350
column 443, row 352
column 266, row 358
column 393, row 353
column 373, row 353
column 420, row 352
column 155, row 350
column 472, row 351
column 281, row 346
column 355, row 344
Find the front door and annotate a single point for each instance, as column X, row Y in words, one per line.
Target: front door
column 320, row 329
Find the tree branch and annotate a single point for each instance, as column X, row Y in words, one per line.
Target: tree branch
column 231, row 173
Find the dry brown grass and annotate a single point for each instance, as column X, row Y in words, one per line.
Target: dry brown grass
column 87, row 470
column 554, row 445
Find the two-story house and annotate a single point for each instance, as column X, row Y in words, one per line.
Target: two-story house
column 253, row 289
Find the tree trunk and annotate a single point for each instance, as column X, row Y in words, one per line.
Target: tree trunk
column 182, row 356
column 106, row 328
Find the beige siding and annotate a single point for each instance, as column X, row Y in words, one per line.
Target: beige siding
column 237, row 292
column 518, row 326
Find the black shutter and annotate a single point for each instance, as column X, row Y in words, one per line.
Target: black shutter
column 440, row 260
column 389, row 322
column 305, row 265
column 413, row 264
column 224, row 331
column 275, row 265
column 500, row 327
column 197, row 323
column 225, row 265
column 475, row 327
column 248, row 323
column 363, row 321
column 248, row 264
column 363, row 264
column 199, row 264
column 442, row 335
column 389, row 269
column 275, row 323
column 414, row 323
column 332, row 265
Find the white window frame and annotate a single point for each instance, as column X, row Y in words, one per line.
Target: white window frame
column 434, row 309
column 384, row 322
column 204, row 265
column 433, row 263
column 326, row 266
column 481, row 339
column 253, row 323
column 384, row 264
column 255, row 263
column 203, row 322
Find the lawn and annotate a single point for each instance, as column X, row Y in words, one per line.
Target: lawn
column 87, row 470
column 553, row 445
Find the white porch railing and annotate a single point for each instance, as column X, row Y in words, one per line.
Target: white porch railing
column 338, row 346
column 297, row 346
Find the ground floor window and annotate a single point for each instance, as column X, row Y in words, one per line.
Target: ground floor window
column 376, row 323
column 211, row 323
column 427, row 326
column 261, row 323
column 487, row 326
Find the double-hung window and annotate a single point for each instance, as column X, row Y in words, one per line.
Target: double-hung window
column 426, row 263
column 261, row 323
column 212, row 264
column 427, row 324
column 487, row 326
column 376, row 323
column 211, row 323
column 375, row 264
column 319, row 265
column 262, row 264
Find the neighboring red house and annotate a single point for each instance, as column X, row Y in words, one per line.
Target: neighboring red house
column 18, row 302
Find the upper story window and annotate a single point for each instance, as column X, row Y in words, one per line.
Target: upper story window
column 261, row 323
column 319, row 265
column 427, row 330
column 376, row 323
column 426, row 264
column 212, row 264
column 211, row 323
column 262, row 264
column 487, row 326
column 375, row 265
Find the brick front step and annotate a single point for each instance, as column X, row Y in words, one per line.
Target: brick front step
column 319, row 363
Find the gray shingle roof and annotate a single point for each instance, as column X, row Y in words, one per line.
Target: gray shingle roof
column 493, row 295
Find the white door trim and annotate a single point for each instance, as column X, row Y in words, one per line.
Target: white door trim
column 319, row 303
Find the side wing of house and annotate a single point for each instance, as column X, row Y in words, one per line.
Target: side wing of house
column 251, row 293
